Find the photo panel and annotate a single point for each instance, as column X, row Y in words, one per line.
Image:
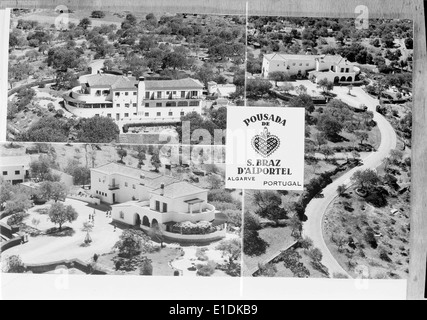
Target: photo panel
column 104, row 209
column 130, row 78
column 353, row 218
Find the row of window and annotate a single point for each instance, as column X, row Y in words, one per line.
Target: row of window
column 127, row 105
column 146, row 114
column 101, row 193
column 159, row 94
column 175, row 104
column 117, row 94
column 17, row 173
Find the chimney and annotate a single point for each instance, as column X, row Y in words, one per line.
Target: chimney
column 141, row 79
column 129, row 74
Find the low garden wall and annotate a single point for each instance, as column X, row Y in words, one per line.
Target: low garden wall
column 69, row 264
column 195, row 238
column 85, row 198
column 10, row 244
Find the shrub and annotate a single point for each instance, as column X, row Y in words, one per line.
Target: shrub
column 266, row 270
column 384, row 255
column 176, row 273
column 146, row 268
column 14, row 264
column 305, row 243
column 206, row 270
column 189, row 228
column 16, row 219
column 252, row 222
column 201, row 254
column 253, row 244
column 220, row 195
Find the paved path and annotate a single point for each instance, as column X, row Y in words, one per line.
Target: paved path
column 317, row 208
column 45, row 249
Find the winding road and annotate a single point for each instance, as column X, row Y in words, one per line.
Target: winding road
column 316, row 210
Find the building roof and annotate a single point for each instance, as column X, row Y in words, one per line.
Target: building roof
column 173, row 84
column 285, row 57
column 15, row 161
column 179, row 190
column 122, row 82
column 334, row 59
column 226, row 90
column 174, row 188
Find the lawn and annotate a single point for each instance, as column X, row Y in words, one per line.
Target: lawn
column 277, row 238
column 391, row 232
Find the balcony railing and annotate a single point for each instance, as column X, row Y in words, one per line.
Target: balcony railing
column 113, row 186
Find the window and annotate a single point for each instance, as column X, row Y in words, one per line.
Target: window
column 147, row 105
column 147, row 114
column 147, row 95
column 182, row 104
column 165, row 207
column 127, row 105
column 300, row 64
column 96, row 115
column 99, row 179
column 294, row 64
column 182, row 113
column 118, row 105
column 159, row 114
column 134, row 93
column 133, row 187
column 117, row 94
column 158, row 206
column 134, row 105
column 182, row 94
column 98, row 92
column 126, row 184
column 126, row 115
column 126, row 93
column 174, row 92
column 5, row 173
column 159, row 105
column 159, row 95
column 17, row 172
column 171, row 104
column 194, row 103
column 170, row 114
column 307, row 64
column 109, row 115
column 122, row 215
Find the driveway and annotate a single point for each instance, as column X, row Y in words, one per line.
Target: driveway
column 44, row 249
column 317, row 208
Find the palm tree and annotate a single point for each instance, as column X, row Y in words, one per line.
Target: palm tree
column 88, row 228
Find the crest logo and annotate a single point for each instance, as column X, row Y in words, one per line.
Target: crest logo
column 265, row 143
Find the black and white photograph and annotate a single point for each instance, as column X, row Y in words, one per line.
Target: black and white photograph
column 215, row 150
column 117, row 210
column 352, row 219
column 105, row 77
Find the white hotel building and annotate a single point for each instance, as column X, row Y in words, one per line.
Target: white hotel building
column 316, row 67
column 146, row 199
column 126, row 99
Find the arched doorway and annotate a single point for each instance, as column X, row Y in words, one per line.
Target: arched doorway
column 350, row 79
column 337, row 80
column 343, row 79
column 146, row 222
column 154, row 224
column 137, row 219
